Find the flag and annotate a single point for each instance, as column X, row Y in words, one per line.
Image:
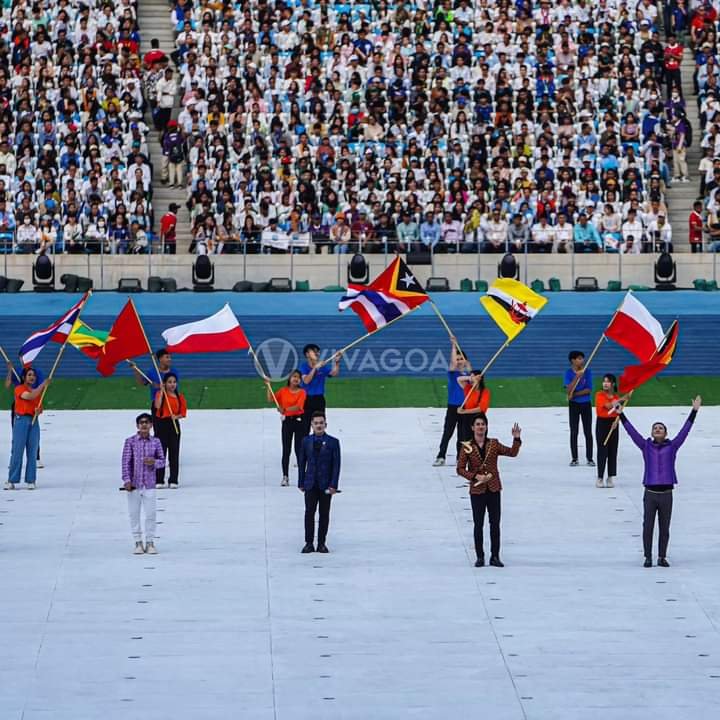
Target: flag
column 127, row 340
column 219, row 333
column 57, row 332
column 635, row 375
column 512, row 305
column 635, row 329
column 392, row 294
column 88, row 341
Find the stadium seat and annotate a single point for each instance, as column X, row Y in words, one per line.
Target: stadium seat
column 639, row 288
column 302, row 285
column 466, row 285
column 711, row 285
column 700, row 284
column 554, row 284
column 537, row 286
column 334, row 289
column 614, row 285
column 481, row 286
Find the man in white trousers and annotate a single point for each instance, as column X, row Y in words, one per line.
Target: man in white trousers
column 142, row 456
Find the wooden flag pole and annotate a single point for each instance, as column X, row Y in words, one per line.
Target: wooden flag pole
column 134, row 366
column 261, row 372
column 366, row 336
column 7, row 360
column 446, row 326
column 155, row 365
column 488, row 365
column 57, row 358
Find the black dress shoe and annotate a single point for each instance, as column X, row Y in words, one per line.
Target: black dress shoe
column 496, row 561
column 480, row 561
column 308, row 548
column 648, row 562
column 322, row 548
column 662, row 562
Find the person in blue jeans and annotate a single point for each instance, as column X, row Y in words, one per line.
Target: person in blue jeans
column 26, row 430
column 14, row 378
column 578, row 385
column 318, row 476
column 659, row 479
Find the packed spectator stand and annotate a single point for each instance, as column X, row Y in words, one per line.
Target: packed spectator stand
column 308, row 126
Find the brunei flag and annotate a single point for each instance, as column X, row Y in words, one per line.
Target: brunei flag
column 512, row 305
column 88, row 341
column 392, row 294
column 635, row 375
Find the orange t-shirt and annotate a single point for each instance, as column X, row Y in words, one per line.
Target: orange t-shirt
column 475, row 399
column 178, row 406
column 26, row 407
column 287, row 398
column 601, row 399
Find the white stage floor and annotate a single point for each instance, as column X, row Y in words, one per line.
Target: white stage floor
column 229, row 621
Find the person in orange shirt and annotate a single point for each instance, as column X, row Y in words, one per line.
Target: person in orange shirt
column 291, row 400
column 477, row 400
column 170, row 406
column 606, row 403
column 26, row 432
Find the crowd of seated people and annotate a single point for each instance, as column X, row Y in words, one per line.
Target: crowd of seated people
column 451, row 125
column 74, row 163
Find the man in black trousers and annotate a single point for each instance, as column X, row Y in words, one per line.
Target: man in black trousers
column 318, row 475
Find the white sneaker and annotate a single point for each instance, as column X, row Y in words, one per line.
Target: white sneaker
column 439, row 462
column 31, row 486
column 39, row 465
column 285, row 481
column 9, row 486
column 599, row 483
column 139, row 550
column 610, row 482
column 150, row 549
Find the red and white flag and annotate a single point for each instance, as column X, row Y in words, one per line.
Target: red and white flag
column 636, row 329
column 220, row 332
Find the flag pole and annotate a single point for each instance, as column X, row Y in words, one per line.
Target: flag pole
column 366, row 336
column 57, row 358
column 488, row 365
column 261, row 372
column 445, row 325
column 155, row 365
column 135, row 367
column 625, row 404
column 7, row 360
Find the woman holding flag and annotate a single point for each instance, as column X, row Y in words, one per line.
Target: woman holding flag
column 170, row 406
column 476, row 402
column 26, row 430
column 606, row 403
column 290, row 403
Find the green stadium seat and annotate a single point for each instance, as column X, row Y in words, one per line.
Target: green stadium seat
column 711, row 285
column 466, row 285
column 614, row 285
column 639, row 288
column 537, row 286
column 698, row 284
column 481, row 286
column 302, row 285
column 554, row 284
column 334, row 289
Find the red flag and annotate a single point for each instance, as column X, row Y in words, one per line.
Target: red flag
column 635, row 375
column 127, row 340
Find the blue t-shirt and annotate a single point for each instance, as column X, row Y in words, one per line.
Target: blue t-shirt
column 153, row 375
column 585, row 383
column 317, row 386
column 455, row 392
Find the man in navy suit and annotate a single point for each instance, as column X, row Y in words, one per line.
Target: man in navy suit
column 318, row 475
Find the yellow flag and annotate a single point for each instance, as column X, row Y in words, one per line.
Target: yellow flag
column 512, row 305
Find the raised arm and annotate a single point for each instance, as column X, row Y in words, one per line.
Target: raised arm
column 680, row 438
column 514, row 449
column 635, row 436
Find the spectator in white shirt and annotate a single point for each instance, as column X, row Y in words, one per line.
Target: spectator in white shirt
column 563, row 236
column 543, row 236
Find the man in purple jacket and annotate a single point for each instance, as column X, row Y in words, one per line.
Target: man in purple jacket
column 659, row 478
column 142, row 456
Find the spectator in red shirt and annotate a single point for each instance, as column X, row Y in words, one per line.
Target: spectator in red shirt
column 672, row 61
column 168, row 223
column 696, row 228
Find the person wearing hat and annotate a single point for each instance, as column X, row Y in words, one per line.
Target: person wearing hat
column 314, row 371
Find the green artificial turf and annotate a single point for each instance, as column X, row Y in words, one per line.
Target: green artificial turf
column 384, row 392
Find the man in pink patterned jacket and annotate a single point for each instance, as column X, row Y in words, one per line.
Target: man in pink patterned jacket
column 142, row 456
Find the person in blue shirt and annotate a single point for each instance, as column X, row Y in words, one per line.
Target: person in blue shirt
column 586, row 238
column 14, row 378
column 459, row 365
column 314, row 372
column 164, row 363
column 578, row 385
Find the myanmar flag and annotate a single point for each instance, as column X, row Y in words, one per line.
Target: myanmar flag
column 512, row 305
column 635, row 375
column 88, row 341
column 127, row 340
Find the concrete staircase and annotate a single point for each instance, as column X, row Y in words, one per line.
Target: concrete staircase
column 680, row 196
column 154, row 20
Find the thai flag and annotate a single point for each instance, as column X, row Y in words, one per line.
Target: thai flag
column 57, row 332
column 374, row 308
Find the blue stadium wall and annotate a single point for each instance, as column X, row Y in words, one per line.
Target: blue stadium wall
column 280, row 324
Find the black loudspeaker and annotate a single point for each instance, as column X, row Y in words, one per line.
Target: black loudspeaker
column 70, row 282
column 419, row 257
column 358, row 271
column 437, row 284
column 169, row 285
column 155, row 284
column 508, row 267
column 84, row 284
column 3, row 283
column 242, row 286
column 13, row 286
column 280, row 284
column 586, row 284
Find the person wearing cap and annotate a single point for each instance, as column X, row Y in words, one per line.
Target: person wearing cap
column 142, row 460
column 314, row 372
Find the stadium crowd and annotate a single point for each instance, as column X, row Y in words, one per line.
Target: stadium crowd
column 453, row 125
